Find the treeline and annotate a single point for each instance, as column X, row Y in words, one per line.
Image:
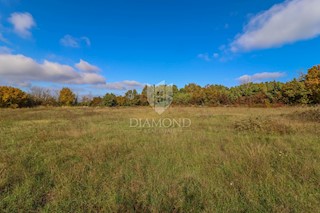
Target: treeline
column 305, row 90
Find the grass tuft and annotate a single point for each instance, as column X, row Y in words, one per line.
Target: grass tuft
column 312, row 115
column 262, row 124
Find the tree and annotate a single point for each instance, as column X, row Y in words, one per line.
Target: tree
column 312, row 82
column 121, row 101
column 295, row 92
column 144, row 96
column 96, row 101
column 86, row 100
column 243, row 93
column 273, row 91
column 196, row 92
column 13, row 97
column 67, row 97
column 132, row 98
column 109, row 100
column 216, row 95
column 181, row 98
column 43, row 96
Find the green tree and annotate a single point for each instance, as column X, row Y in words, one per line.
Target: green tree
column 109, row 100
column 181, row 98
column 144, row 96
column 132, row 98
column 247, row 94
column 67, row 97
column 295, row 92
column 273, row 91
column 196, row 92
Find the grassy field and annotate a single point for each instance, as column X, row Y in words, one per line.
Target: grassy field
column 228, row 160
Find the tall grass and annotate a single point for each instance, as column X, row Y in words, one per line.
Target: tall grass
column 90, row 160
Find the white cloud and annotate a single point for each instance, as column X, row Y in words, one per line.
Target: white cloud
column 133, row 84
column 86, row 67
column 260, row 77
column 70, row 41
column 25, row 84
column 267, row 75
column 20, row 68
column 123, row 85
column 284, row 23
column 22, row 23
column 5, row 50
column 244, row 79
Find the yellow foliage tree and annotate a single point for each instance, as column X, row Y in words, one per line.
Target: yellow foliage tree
column 313, row 83
column 13, row 97
column 67, row 97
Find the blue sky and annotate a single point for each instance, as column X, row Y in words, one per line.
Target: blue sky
column 111, row 46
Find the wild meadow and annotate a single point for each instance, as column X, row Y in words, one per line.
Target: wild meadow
column 230, row 159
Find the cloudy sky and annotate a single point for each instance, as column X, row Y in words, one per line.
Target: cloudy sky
column 114, row 45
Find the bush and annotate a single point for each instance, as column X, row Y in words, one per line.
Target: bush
column 312, row 115
column 13, row 97
column 259, row 124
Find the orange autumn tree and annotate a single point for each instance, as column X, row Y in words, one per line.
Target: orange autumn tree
column 13, row 97
column 67, row 97
column 312, row 82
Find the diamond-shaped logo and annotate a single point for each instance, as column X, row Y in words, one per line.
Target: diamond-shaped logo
column 160, row 96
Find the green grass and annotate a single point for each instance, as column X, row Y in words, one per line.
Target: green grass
column 90, row 160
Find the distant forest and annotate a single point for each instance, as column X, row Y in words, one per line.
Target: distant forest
column 304, row 90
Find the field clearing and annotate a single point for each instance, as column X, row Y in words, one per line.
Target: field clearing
column 229, row 160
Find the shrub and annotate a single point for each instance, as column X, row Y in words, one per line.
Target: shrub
column 259, row 124
column 13, row 97
column 312, row 115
